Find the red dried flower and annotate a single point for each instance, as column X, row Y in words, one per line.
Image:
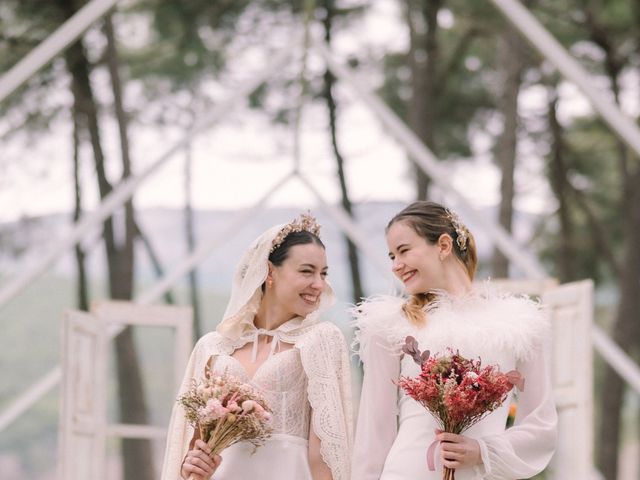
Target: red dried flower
column 457, row 391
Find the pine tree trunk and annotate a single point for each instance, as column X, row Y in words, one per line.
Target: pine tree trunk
column 191, row 244
column 510, row 53
column 558, row 169
column 625, row 330
column 82, row 285
column 137, row 454
column 424, row 56
column 625, row 334
column 126, row 251
column 155, row 261
column 329, row 80
column 565, row 193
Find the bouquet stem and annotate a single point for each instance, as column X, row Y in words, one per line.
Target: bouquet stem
column 448, row 473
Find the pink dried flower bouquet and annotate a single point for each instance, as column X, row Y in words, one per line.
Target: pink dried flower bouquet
column 225, row 411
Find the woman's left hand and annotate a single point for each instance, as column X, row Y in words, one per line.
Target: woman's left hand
column 458, row 451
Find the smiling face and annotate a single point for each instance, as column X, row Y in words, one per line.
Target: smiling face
column 300, row 280
column 415, row 261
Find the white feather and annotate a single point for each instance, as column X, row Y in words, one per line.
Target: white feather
column 488, row 323
column 379, row 316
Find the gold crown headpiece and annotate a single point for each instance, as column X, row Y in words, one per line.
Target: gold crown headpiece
column 304, row 223
column 462, row 234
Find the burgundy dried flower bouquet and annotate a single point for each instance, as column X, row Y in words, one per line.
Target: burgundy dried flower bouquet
column 458, row 392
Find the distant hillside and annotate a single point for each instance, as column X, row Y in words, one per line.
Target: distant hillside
column 165, row 229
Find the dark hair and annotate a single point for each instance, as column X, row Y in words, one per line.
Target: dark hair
column 280, row 254
column 430, row 220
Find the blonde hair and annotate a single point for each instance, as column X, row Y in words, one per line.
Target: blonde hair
column 430, row 220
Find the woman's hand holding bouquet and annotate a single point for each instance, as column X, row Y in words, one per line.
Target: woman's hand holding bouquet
column 458, row 392
column 224, row 411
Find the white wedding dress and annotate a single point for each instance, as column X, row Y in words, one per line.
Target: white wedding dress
column 393, row 431
column 282, row 381
column 304, row 385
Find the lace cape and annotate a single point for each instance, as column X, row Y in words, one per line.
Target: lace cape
column 322, row 351
column 325, row 361
column 485, row 322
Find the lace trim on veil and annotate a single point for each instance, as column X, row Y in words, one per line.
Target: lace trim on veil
column 326, row 362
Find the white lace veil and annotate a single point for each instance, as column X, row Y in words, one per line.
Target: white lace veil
column 246, row 290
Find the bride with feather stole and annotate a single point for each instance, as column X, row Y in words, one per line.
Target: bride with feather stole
column 433, row 253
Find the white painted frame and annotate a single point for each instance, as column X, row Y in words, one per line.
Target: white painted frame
column 570, row 366
column 571, row 309
column 84, row 428
column 83, row 410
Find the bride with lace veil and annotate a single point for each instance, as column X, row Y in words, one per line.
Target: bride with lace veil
column 271, row 336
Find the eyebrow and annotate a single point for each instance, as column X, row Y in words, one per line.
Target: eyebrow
column 312, row 266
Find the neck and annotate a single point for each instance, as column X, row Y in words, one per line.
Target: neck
column 456, row 280
column 270, row 314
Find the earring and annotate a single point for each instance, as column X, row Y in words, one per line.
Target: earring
column 442, row 257
column 270, row 282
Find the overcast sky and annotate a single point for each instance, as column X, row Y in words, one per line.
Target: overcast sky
column 238, row 160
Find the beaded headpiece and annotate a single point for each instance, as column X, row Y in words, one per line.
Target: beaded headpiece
column 304, row 223
column 461, row 230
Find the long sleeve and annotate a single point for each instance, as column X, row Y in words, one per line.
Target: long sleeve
column 525, row 449
column 377, row 425
column 179, row 432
